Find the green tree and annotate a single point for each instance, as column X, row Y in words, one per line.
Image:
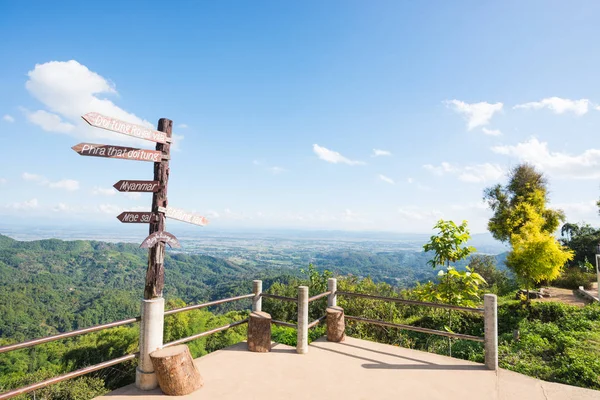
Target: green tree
column 447, row 245
column 582, row 239
column 536, row 254
column 525, row 186
column 498, row 281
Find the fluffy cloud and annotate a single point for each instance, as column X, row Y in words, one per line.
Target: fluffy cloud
column 416, row 213
column 491, row 132
column 478, row 173
column 182, row 126
column 333, row 156
column 558, row 105
column 379, row 153
column 8, row 118
column 386, row 179
column 68, row 90
column 48, row 121
column 582, row 166
column 98, row 191
column 26, row 205
column 476, row 114
column 70, row 185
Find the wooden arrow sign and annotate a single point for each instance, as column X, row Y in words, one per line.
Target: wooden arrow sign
column 184, row 216
column 110, row 151
column 160, row 236
column 135, row 217
column 126, row 128
column 137, row 186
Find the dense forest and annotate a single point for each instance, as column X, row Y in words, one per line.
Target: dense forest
column 51, row 286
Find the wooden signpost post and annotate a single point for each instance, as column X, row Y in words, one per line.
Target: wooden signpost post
column 137, row 186
column 151, row 331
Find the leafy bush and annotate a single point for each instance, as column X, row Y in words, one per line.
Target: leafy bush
column 573, row 278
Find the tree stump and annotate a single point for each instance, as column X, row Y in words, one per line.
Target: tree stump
column 175, row 370
column 259, row 332
column 336, row 326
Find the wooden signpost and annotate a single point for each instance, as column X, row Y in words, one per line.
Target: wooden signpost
column 161, row 236
column 110, row 151
column 126, row 128
column 137, row 186
column 158, row 237
column 136, row 217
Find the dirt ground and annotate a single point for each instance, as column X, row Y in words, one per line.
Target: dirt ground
column 566, row 296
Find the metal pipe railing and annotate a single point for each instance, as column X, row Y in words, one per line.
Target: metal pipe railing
column 416, row 328
column 210, row 303
column 414, row 302
column 70, row 375
column 277, row 297
column 318, row 296
column 316, row 322
column 283, row 323
column 35, row 342
column 210, row 332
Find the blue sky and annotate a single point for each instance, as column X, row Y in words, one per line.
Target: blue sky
column 320, row 115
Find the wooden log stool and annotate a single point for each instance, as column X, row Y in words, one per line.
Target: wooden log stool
column 259, row 332
column 175, row 370
column 336, row 326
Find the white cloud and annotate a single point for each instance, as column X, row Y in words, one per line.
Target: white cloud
column 476, row 114
column 277, row 170
column 491, row 132
column 8, row 118
column 26, row 205
column 66, row 184
column 558, row 105
column 333, row 156
column 410, row 180
column 386, row 179
column 68, row 90
column 182, row 126
column 3, row 181
column 98, row 191
column 32, row 177
column 379, row 153
column 133, row 195
column 477, row 173
column 110, row 209
column 582, row 166
column 48, row 121
column 416, row 213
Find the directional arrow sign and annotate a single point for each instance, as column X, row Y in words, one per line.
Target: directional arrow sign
column 135, row 217
column 137, row 186
column 126, row 128
column 184, row 216
column 110, row 151
column 160, row 236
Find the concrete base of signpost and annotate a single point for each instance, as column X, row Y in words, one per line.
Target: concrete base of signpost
column 490, row 326
column 302, row 337
column 151, row 339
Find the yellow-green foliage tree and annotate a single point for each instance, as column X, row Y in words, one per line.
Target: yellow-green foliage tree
column 536, row 254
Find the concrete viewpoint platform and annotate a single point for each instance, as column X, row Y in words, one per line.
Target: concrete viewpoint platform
column 355, row 369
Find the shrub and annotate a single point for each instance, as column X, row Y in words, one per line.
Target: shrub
column 573, row 278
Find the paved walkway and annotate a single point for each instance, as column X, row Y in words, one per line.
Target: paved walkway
column 356, row 369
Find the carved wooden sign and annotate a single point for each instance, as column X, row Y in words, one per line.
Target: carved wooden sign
column 126, row 128
column 184, row 216
column 137, row 186
column 136, row 217
column 110, row 151
column 160, row 236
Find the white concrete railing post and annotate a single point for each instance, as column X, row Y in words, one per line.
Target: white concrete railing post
column 490, row 324
column 332, row 297
column 302, row 338
column 257, row 300
column 151, row 339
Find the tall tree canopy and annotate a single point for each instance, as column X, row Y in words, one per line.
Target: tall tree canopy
column 525, row 186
